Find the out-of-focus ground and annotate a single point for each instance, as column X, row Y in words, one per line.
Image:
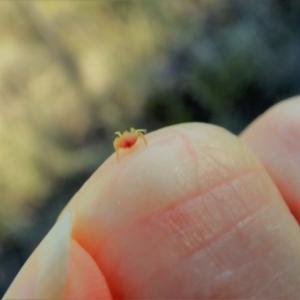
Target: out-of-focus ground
column 74, row 72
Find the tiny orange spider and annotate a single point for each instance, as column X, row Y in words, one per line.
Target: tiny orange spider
column 128, row 138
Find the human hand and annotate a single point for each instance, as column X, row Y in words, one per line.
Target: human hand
column 193, row 215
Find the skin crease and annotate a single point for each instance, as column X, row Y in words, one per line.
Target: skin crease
column 195, row 214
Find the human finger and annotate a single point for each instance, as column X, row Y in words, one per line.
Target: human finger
column 191, row 215
column 59, row 269
column 275, row 138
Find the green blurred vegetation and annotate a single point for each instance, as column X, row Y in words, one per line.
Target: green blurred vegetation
column 68, row 71
column 74, row 72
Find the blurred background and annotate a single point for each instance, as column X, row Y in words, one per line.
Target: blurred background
column 74, row 72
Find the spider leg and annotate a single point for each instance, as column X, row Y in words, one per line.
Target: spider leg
column 116, row 143
column 142, row 131
column 141, row 135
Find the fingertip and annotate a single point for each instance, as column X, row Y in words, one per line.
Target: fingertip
column 275, row 139
column 177, row 162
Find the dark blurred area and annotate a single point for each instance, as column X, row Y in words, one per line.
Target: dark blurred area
column 74, row 72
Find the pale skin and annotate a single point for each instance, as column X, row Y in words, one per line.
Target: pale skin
column 197, row 214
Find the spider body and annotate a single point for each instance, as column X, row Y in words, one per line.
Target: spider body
column 128, row 138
